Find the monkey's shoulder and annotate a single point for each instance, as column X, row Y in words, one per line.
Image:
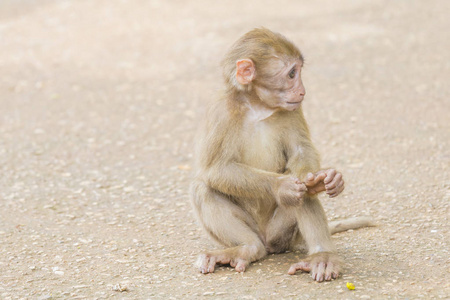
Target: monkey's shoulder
column 223, row 116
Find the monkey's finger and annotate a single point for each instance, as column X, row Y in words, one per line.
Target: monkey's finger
column 302, row 188
column 315, row 180
column 336, row 191
column 303, row 265
column 320, row 177
column 330, row 175
column 316, row 189
column 310, row 176
column 312, row 191
column 320, row 173
column 334, row 182
column 341, row 187
column 331, row 192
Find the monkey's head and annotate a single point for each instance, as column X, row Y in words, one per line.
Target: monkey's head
column 266, row 65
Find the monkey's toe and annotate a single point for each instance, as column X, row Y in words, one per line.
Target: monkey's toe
column 241, row 265
column 318, row 272
column 206, row 264
column 300, row 266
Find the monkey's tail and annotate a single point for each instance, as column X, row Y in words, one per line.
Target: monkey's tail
column 351, row 223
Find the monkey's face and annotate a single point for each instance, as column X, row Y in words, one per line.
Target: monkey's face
column 281, row 86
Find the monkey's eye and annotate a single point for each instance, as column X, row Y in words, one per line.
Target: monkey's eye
column 292, row 73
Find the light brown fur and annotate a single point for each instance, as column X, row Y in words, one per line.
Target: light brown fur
column 258, row 176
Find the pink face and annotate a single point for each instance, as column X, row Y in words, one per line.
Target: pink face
column 285, row 88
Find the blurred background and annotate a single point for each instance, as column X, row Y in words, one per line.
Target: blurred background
column 99, row 105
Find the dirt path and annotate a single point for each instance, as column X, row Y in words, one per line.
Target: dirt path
column 99, row 103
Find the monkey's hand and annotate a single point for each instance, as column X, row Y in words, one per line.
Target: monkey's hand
column 322, row 266
column 290, row 191
column 325, row 180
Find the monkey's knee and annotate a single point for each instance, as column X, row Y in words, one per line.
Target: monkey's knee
column 198, row 191
column 224, row 221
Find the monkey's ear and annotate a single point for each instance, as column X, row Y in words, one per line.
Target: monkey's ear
column 245, row 71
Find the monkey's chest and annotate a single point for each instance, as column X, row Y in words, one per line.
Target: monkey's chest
column 262, row 148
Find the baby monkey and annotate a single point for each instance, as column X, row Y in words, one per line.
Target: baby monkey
column 258, row 173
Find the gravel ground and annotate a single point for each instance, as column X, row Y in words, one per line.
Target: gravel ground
column 99, row 104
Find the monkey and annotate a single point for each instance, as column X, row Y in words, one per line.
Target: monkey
column 258, row 174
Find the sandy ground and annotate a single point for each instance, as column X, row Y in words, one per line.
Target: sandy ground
column 99, row 104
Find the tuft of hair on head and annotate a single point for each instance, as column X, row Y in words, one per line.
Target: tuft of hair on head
column 260, row 45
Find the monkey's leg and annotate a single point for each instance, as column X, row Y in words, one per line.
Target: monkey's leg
column 322, row 262
column 282, row 232
column 231, row 226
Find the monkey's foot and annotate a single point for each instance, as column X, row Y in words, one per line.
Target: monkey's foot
column 207, row 262
column 236, row 257
column 322, row 266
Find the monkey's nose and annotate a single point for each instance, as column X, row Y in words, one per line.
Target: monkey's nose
column 302, row 91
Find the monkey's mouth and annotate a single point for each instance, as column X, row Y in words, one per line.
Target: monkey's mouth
column 296, row 102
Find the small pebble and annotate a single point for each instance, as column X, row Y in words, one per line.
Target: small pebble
column 119, row 288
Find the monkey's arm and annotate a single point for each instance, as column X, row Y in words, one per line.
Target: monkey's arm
column 303, row 158
column 305, row 164
column 242, row 181
column 219, row 156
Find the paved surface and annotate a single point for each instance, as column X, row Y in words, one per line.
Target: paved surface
column 99, row 103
